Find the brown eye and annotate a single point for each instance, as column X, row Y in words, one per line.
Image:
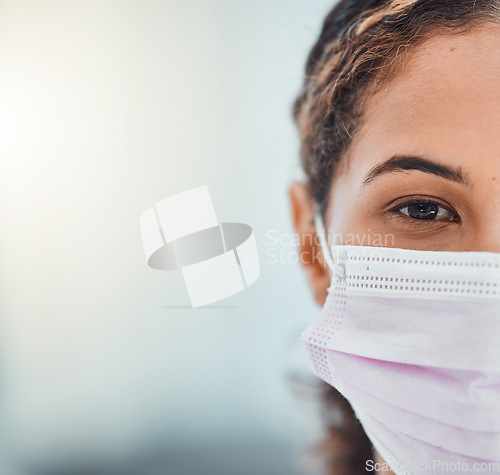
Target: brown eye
column 427, row 210
column 422, row 210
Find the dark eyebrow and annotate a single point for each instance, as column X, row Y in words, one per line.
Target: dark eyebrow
column 414, row 162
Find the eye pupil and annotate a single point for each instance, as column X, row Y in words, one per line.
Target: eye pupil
column 423, row 210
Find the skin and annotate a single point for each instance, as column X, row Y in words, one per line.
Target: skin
column 444, row 105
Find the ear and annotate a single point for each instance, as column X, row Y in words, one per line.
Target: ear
column 311, row 257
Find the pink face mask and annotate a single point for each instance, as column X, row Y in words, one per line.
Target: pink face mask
column 412, row 340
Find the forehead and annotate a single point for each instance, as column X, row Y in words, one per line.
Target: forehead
column 444, row 102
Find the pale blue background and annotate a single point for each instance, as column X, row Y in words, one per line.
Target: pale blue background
column 106, row 108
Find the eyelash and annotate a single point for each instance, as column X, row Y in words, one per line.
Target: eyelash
column 416, row 221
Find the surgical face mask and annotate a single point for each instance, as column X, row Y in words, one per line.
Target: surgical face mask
column 412, row 341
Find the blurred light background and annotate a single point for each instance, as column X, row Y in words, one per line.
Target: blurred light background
column 107, row 107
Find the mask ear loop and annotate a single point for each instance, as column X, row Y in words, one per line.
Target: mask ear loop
column 323, row 238
column 337, row 269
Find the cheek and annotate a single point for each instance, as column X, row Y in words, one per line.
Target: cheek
column 347, row 221
column 336, row 213
column 362, row 229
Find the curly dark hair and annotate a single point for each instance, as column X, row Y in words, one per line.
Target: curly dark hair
column 363, row 43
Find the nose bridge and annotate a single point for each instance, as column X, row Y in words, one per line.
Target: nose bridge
column 488, row 232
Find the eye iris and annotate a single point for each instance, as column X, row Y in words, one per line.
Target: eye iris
column 423, row 210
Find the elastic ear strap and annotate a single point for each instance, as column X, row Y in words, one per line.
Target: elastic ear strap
column 320, row 229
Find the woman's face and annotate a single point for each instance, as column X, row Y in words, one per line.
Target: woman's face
column 424, row 170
